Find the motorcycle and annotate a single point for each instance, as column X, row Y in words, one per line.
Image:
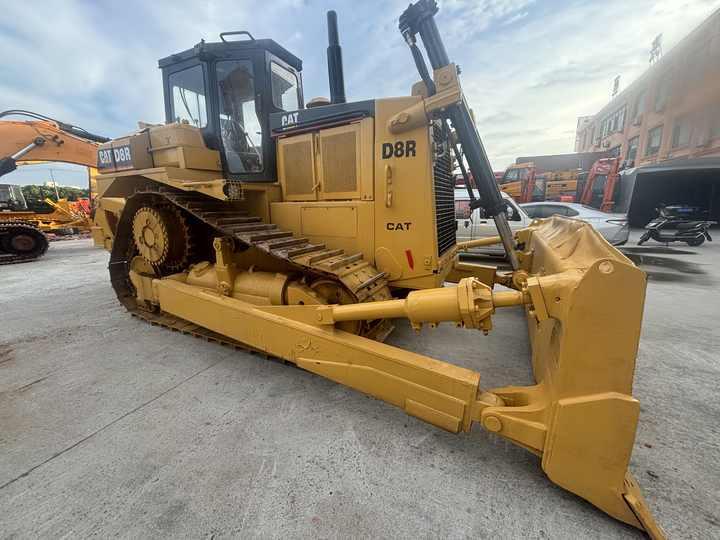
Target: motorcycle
column 678, row 223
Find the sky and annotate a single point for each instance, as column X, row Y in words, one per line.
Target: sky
column 529, row 67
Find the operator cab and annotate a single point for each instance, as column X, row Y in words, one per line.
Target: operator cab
column 228, row 90
column 12, row 198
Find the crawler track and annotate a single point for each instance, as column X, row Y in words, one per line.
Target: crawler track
column 356, row 276
column 12, row 229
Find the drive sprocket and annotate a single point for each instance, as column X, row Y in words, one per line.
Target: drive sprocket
column 162, row 237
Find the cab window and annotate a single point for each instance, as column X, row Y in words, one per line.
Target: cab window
column 532, row 210
column 284, row 88
column 540, row 210
column 559, row 210
column 240, row 128
column 187, row 88
column 510, row 176
column 571, row 212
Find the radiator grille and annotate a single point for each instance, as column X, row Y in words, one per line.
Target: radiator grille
column 444, row 183
column 298, row 169
column 339, row 162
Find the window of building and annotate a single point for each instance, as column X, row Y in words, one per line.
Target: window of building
column 187, row 88
column 592, row 136
column 614, row 123
column 654, row 140
column 284, row 88
column 621, row 119
column 240, row 127
column 633, row 148
column 681, row 132
column 662, row 93
column 696, row 66
column 614, row 151
column 639, row 104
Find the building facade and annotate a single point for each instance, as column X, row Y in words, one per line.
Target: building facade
column 671, row 111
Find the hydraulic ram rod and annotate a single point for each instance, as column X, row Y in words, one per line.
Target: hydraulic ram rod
column 470, row 303
column 419, row 18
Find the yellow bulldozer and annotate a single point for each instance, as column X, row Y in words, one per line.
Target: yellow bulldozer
column 303, row 231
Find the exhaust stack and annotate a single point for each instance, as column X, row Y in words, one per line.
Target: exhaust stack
column 334, row 55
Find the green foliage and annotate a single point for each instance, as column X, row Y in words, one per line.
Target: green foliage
column 35, row 195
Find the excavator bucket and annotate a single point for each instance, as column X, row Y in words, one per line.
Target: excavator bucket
column 584, row 323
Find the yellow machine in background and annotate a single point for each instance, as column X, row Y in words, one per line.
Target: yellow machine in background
column 302, row 232
column 524, row 183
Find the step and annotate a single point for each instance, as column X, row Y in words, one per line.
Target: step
column 377, row 277
column 344, row 261
column 297, row 252
column 237, row 220
column 240, row 229
column 269, row 236
column 227, row 212
column 327, row 255
column 209, row 205
column 280, row 244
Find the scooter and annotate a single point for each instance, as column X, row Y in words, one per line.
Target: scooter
column 675, row 223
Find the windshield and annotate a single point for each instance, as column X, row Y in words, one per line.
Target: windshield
column 284, row 88
column 188, row 96
column 11, row 197
column 240, row 128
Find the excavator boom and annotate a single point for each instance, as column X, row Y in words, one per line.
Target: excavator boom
column 44, row 139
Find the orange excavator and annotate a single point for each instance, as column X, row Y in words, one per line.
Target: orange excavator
column 600, row 185
column 38, row 138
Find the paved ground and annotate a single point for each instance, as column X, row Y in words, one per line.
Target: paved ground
column 111, row 427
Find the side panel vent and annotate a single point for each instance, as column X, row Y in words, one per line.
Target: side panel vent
column 444, row 188
column 296, row 168
column 339, row 162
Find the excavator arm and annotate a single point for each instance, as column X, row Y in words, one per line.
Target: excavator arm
column 41, row 138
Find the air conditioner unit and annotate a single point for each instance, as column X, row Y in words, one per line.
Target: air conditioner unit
column 637, row 120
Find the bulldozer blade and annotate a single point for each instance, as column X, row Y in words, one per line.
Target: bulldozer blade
column 584, row 325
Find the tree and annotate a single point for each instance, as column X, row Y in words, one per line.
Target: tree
column 35, row 195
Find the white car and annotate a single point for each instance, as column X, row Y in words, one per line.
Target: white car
column 472, row 225
column 613, row 227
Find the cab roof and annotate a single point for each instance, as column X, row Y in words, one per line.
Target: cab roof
column 208, row 50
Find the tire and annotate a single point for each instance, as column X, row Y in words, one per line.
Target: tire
column 695, row 242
